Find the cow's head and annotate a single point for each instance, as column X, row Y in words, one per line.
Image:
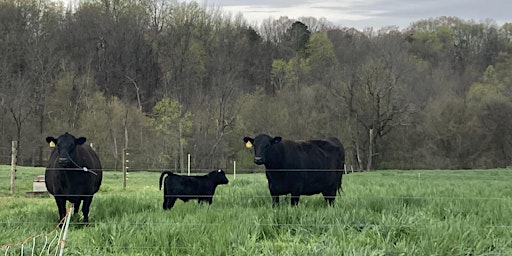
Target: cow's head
column 261, row 145
column 65, row 146
column 218, row 177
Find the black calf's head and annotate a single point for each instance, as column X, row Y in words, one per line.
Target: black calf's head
column 261, row 145
column 65, row 146
column 218, row 177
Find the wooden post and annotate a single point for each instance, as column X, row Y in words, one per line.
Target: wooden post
column 125, row 153
column 370, row 152
column 125, row 149
column 14, row 160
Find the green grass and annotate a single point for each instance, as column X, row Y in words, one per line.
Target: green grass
column 378, row 213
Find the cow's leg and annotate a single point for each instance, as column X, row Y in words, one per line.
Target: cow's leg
column 206, row 199
column 61, row 205
column 329, row 196
column 273, row 194
column 164, row 204
column 169, row 202
column 76, row 206
column 75, row 201
column 295, row 192
column 294, row 200
column 85, row 208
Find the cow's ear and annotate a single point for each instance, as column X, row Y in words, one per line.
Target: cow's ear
column 80, row 140
column 248, row 142
column 52, row 141
column 276, row 140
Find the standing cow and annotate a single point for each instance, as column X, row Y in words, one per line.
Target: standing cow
column 73, row 173
column 300, row 167
column 186, row 188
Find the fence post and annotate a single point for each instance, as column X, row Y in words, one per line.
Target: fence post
column 234, row 170
column 188, row 164
column 370, row 152
column 125, row 154
column 14, row 160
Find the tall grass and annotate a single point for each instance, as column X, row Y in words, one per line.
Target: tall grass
column 378, row 213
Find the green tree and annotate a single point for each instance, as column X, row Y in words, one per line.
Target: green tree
column 296, row 38
column 181, row 53
column 228, row 44
column 431, row 45
column 30, row 58
column 324, row 68
column 172, row 125
column 490, row 102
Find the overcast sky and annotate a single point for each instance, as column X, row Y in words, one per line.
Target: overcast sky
column 362, row 14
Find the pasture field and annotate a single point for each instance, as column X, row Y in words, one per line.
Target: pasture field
column 378, row 213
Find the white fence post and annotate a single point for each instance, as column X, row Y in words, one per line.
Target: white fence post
column 188, row 163
column 124, row 165
column 65, row 230
column 234, row 170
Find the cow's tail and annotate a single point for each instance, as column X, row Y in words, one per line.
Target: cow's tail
column 162, row 177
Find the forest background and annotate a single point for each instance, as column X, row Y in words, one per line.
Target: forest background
column 161, row 79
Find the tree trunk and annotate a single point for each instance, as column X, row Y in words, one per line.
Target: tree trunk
column 370, row 152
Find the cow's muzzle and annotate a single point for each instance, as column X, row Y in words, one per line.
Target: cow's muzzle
column 63, row 160
column 258, row 160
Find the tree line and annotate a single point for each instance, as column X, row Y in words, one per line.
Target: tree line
column 162, row 79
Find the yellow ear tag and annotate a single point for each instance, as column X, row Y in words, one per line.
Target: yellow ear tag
column 52, row 145
column 248, row 144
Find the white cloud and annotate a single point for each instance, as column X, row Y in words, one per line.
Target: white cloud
column 361, row 14
column 369, row 13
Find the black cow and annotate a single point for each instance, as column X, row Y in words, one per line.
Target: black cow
column 73, row 173
column 300, row 167
column 186, row 188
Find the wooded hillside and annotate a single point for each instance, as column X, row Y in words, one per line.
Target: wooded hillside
column 163, row 79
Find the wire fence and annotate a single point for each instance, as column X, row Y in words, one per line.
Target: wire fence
column 49, row 243
column 54, row 241
column 416, row 174
column 344, row 196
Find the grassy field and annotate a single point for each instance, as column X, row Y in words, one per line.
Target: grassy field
column 378, row 213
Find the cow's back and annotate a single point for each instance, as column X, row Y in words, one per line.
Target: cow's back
column 333, row 150
column 189, row 185
column 306, row 155
column 310, row 165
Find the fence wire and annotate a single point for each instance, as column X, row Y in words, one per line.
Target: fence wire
column 53, row 246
